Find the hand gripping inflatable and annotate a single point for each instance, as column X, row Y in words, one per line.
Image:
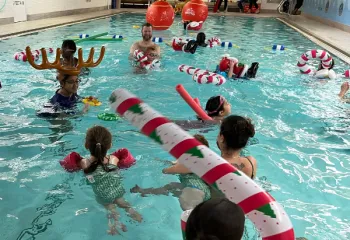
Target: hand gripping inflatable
column 260, row 207
column 314, row 54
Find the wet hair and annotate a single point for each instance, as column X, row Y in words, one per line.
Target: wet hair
column 213, row 105
column 146, row 25
column 216, row 219
column 98, row 141
column 236, row 131
column 201, row 38
column 320, row 67
column 69, row 44
column 201, row 139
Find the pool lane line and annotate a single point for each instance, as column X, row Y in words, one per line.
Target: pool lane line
column 40, row 29
column 338, row 52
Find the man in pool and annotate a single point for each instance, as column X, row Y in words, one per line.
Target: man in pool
column 146, row 41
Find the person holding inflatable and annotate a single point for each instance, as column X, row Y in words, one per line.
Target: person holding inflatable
column 191, row 190
column 218, row 219
column 234, row 134
column 146, row 41
column 101, row 171
column 230, row 68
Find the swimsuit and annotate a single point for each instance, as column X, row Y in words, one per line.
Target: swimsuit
column 107, row 186
column 64, row 102
column 193, row 181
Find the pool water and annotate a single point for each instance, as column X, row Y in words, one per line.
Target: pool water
column 301, row 142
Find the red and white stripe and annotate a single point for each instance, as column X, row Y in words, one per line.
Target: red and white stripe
column 191, row 70
column 140, row 56
column 213, row 42
column 322, row 55
column 209, row 78
column 236, row 186
column 22, row 56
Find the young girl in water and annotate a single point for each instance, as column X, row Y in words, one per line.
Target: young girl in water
column 101, row 172
column 191, row 190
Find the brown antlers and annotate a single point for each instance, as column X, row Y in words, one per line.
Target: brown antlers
column 57, row 63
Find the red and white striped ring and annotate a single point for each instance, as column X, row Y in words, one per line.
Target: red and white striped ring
column 322, row 55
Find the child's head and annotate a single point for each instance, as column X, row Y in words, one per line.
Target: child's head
column 331, row 65
column 201, row 38
column 151, row 53
column 98, row 141
column 217, row 107
column 68, row 48
column 218, row 219
column 201, row 139
column 235, row 132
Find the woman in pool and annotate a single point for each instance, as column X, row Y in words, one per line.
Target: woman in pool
column 234, row 134
column 101, row 172
column 230, row 68
column 191, row 190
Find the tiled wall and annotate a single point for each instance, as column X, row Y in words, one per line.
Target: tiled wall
column 48, row 6
column 329, row 9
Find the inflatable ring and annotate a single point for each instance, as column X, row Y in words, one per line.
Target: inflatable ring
column 108, row 117
column 191, row 70
column 260, row 207
column 92, row 101
column 209, row 78
column 322, row 55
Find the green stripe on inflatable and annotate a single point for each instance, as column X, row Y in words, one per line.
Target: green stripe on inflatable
column 90, row 38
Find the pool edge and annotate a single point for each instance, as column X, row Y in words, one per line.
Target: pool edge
column 330, row 47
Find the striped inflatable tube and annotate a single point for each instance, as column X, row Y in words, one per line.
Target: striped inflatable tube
column 139, row 56
column 278, row 47
column 191, row 70
column 347, row 74
column 260, row 207
column 226, row 44
column 157, row 39
column 209, row 78
column 314, row 54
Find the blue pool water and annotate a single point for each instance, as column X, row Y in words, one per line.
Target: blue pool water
column 301, row 143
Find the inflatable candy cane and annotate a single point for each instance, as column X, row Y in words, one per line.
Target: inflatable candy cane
column 139, row 56
column 322, row 55
column 209, row 78
column 260, row 207
column 191, row 70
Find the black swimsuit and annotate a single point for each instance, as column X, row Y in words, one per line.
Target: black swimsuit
column 252, row 177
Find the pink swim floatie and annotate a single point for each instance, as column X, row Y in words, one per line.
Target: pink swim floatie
column 126, row 160
column 71, row 162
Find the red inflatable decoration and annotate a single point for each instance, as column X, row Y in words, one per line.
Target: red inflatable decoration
column 195, row 11
column 161, row 15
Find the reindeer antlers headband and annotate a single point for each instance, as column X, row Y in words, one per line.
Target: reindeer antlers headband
column 57, row 63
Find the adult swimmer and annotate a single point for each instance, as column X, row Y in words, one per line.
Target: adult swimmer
column 146, row 41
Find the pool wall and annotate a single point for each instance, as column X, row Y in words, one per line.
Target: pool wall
column 38, row 9
column 335, row 13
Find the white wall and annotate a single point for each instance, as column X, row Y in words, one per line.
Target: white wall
column 270, row 6
column 47, row 6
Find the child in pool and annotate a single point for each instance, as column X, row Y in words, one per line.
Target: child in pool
column 102, row 174
column 191, row 190
column 217, row 108
column 230, row 68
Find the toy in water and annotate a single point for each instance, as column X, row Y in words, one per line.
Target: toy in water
column 126, row 160
column 195, row 26
column 202, row 76
column 92, row 101
column 213, row 42
column 22, row 56
column 71, row 163
column 325, row 57
column 347, row 74
column 160, row 14
column 89, row 63
column 135, row 26
column 141, row 58
column 194, row 11
column 192, row 102
column 278, row 47
column 87, row 37
column 157, row 39
column 109, row 38
column 260, row 207
column 108, row 117
column 229, row 45
column 325, row 73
